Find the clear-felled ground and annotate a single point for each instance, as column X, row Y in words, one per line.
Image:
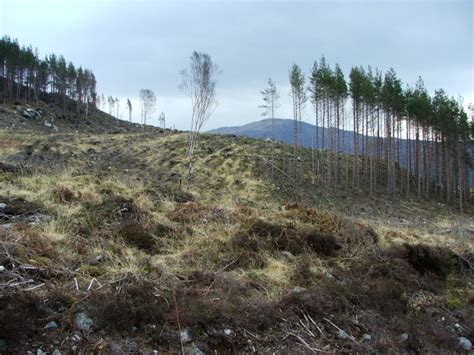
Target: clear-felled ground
column 102, row 251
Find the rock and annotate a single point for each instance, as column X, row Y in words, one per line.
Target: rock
column 111, row 349
column 329, row 275
column 82, row 321
column 41, row 352
column 185, row 335
column 366, row 337
column 464, row 343
column 56, row 352
column 298, row 289
column 420, row 300
column 55, row 128
column 403, row 337
column 6, row 226
column 3, row 206
column 193, row 350
column 48, row 124
column 2, row 268
column 28, row 113
column 287, row 255
column 228, row 332
column 51, row 325
column 133, row 348
column 342, row 334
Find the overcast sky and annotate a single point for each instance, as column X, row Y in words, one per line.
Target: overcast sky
column 131, row 45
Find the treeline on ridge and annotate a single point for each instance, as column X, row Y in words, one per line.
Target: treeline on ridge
column 26, row 75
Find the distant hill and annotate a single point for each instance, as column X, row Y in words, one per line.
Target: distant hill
column 284, row 133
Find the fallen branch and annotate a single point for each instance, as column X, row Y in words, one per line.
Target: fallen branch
column 225, row 267
column 92, row 282
column 307, row 329
column 12, row 260
column 341, row 330
column 33, row 287
column 305, row 344
column 19, row 283
column 76, row 284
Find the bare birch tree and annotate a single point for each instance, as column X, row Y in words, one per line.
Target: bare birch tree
column 270, row 98
column 111, row 102
column 162, row 120
column 148, row 100
column 129, row 107
column 199, row 83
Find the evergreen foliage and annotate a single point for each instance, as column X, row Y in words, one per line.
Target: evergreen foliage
column 27, row 76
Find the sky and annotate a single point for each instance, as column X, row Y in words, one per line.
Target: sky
column 133, row 45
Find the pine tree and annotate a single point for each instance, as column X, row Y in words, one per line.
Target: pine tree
column 27, row 76
column 315, row 97
column 356, row 76
column 340, row 96
column 297, row 81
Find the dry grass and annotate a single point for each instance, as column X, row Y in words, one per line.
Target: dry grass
column 226, row 251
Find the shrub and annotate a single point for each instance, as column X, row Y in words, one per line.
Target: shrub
column 19, row 206
column 135, row 305
column 245, row 241
column 62, row 194
column 322, row 244
column 137, row 236
column 20, row 314
column 425, row 258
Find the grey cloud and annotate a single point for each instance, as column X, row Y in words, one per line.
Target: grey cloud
column 132, row 45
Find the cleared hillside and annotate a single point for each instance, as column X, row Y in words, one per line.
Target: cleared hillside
column 319, row 137
column 104, row 251
column 52, row 113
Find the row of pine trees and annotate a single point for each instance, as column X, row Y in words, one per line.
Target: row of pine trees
column 404, row 141
column 27, row 76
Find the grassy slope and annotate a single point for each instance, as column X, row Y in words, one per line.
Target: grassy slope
column 111, row 209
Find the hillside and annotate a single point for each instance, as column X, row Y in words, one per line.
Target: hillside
column 106, row 250
column 312, row 136
column 55, row 113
